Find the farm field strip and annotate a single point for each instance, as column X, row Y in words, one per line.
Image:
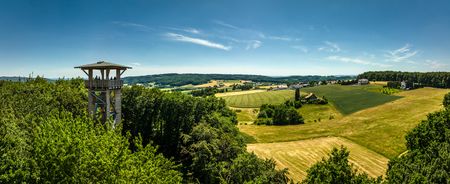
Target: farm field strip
column 239, row 92
column 255, row 100
column 298, row 156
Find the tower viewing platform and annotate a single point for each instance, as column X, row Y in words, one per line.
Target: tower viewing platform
column 105, row 94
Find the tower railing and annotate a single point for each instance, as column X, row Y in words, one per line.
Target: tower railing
column 98, row 84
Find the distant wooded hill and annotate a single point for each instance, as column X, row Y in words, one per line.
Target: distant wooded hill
column 18, row 78
column 430, row 79
column 174, row 79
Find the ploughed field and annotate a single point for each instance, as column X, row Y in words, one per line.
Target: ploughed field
column 358, row 117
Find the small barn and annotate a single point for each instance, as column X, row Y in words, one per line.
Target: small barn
column 311, row 97
column 363, row 81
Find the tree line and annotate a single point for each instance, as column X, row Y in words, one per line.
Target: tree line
column 174, row 79
column 428, row 79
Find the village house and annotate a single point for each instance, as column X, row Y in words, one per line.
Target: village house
column 363, row 81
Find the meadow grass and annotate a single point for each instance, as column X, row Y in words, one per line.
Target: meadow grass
column 256, row 99
column 298, row 156
column 350, row 99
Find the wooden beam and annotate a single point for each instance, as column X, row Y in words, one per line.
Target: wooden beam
column 85, row 72
column 123, row 71
column 107, row 74
column 102, row 71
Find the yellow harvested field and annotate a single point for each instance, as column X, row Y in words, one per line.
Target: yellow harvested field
column 381, row 83
column 211, row 83
column 226, row 83
column 298, row 156
column 239, row 92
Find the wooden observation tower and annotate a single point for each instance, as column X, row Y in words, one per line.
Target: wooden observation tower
column 104, row 97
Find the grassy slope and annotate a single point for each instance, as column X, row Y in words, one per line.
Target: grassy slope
column 317, row 113
column 381, row 128
column 350, row 99
column 298, row 156
column 233, row 93
column 255, row 100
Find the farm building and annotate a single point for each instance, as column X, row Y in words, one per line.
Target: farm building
column 296, row 86
column 403, row 85
column 311, row 97
column 281, row 87
column 363, row 81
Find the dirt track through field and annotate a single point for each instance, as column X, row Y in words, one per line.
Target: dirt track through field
column 298, row 156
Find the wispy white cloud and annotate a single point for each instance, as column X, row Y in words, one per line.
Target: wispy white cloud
column 281, row 38
column 187, row 30
column 300, row 48
column 330, row 47
column 140, row 27
column 253, row 44
column 226, row 24
column 435, row 64
column 401, row 55
column 136, row 64
column 356, row 61
column 198, row 41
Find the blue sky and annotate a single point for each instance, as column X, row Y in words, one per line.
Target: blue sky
column 247, row 37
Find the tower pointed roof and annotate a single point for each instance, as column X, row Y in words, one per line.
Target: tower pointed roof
column 103, row 65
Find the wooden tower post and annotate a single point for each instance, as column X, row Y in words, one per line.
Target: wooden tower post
column 100, row 87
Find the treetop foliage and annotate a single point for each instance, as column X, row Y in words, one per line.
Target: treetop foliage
column 198, row 133
column 428, row 153
column 46, row 137
column 336, row 169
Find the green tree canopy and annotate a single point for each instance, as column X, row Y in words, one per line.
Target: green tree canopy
column 336, row 169
column 428, row 153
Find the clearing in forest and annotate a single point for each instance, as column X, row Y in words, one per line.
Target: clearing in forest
column 298, row 156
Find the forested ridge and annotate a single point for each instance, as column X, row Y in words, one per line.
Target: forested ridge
column 174, row 79
column 429, row 79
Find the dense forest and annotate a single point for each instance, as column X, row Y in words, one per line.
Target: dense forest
column 173, row 79
column 428, row 79
column 47, row 137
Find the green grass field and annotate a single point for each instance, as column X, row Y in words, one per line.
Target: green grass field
column 255, row 100
column 350, row 99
